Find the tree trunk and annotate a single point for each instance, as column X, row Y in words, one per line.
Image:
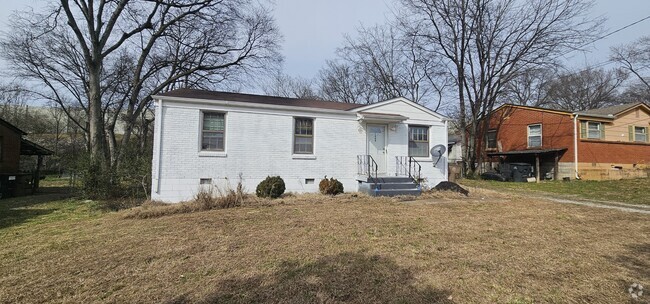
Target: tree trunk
column 463, row 120
column 112, row 146
column 95, row 118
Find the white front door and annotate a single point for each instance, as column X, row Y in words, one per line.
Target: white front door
column 377, row 146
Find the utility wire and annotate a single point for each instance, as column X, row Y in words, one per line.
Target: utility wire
column 607, row 35
column 604, row 63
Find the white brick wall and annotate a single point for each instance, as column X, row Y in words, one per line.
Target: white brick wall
column 259, row 144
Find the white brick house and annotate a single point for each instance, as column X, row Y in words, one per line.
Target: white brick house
column 206, row 137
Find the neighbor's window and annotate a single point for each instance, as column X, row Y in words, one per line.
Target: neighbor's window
column 491, row 139
column 303, row 136
column 594, row 130
column 535, row 136
column 641, row 134
column 214, row 127
column 418, row 141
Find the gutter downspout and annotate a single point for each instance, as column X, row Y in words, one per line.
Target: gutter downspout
column 159, row 132
column 575, row 144
column 446, row 165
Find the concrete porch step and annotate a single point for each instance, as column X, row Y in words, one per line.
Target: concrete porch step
column 382, row 192
column 397, row 186
column 389, row 186
column 389, row 179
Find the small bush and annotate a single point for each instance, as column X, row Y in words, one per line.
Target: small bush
column 330, row 186
column 272, row 186
column 208, row 199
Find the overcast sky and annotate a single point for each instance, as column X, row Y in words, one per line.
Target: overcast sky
column 314, row 29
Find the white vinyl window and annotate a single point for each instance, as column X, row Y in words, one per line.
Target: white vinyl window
column 535, row 136
column 641, row 134
column 213, row 131
column 303, row 136
column 418, row 141
column 594, row 130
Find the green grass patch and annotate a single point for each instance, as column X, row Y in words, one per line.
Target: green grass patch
column 55, row 181
column 42, row 209
column 632, row 191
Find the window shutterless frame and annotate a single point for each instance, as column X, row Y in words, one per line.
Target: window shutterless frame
column 491, row 139
column 594, row 130
column 640, row 134
column 418, row 136
column 203, row 131
column 303, row 132
column 534, row 135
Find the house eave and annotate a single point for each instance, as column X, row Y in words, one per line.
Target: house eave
column 606, row 117
column 381, row 118
column 249, row 105
column 411, row 103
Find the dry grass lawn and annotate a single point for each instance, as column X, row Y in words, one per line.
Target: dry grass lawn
column 488, row 248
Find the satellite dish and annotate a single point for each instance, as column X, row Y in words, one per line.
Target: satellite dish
column 438, row 150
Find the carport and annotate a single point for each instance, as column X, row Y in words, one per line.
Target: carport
column 29, row 148
column 538, row 157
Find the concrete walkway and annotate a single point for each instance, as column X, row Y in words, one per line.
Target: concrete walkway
column 625, row 207
column 599, row 204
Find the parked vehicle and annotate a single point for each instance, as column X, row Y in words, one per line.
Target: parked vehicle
column 516, row 172
column 493, row 176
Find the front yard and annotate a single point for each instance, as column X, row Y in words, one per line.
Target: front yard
column 631, row 191
column 488, row 248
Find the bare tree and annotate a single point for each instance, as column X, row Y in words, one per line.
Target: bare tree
column 294, row 87
column 383, row 64
column 15, row 107
column 487, row 43
column 584, row 90
column 108, row 57
column 529, row 87
column 342, row 82
column 634, row 92
column 13, row 103
column 635, row 58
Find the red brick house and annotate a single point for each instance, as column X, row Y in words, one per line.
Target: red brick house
column 607, row 143
column 13, row 181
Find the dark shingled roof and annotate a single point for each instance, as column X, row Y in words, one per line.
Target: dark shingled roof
column 613, row 110
column 526, row 152
column 31, row 148
column 261, row 99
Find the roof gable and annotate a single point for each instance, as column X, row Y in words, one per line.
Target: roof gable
column 422, row 108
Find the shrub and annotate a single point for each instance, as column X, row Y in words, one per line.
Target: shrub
column 103, row 181
column 330, row 186
column 272, row 186
column 208, row 198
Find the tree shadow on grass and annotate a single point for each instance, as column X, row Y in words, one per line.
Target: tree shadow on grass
column 14, row 211
column 637, row 261
column 342, row 278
